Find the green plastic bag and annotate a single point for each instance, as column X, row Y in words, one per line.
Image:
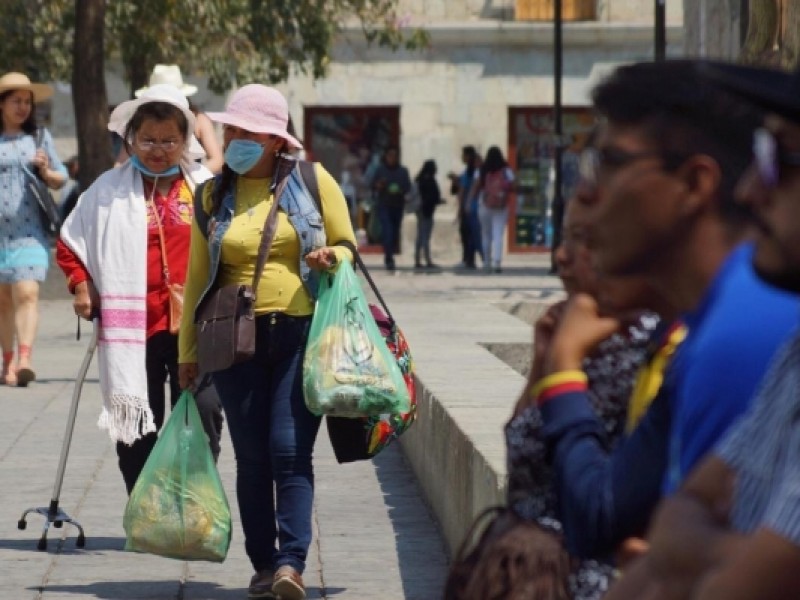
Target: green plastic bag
column 348, row 370
column 178, row 506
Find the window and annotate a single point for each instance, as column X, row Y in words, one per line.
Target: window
column 531, row 155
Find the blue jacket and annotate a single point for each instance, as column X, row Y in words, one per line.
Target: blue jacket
column 605, row 498
column 733, row 336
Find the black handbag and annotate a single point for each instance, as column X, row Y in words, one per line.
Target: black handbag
column 49, row 215
column 48, row 209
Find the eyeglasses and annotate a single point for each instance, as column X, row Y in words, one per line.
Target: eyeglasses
column 594, row 161
column 768, row 157
column 150, row 145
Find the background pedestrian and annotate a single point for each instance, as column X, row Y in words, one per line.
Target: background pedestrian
column 24, row 246
column 429, row 198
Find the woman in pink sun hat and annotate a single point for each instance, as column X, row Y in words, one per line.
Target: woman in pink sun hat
column 273, row 432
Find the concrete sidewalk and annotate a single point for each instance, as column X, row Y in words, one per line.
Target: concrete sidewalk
column 374, row 536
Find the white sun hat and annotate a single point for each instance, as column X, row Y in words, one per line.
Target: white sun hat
column 163, row 92
column 170, row 74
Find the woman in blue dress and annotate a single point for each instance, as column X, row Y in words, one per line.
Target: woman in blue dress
column 24, row 247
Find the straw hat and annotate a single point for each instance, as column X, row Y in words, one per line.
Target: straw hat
column 259, row 109
column 122, row 114
column 170, row 74
column 20, row 81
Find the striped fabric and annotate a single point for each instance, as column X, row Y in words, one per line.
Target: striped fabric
column 764, row 450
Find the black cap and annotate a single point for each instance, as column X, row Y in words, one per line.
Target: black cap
column 769, row 89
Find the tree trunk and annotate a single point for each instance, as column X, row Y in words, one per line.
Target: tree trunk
column 790, row 50
column 763, row 22
column 89, row 91
column 712, row 28
column 137, row 68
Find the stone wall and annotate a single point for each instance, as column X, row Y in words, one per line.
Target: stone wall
column 458, row 91
column 713, row 29
column 610, row 11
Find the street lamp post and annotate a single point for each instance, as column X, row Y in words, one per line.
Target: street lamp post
column 661, row 30
column 558, row 200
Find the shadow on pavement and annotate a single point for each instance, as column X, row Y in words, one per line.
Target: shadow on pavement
column 57, row 545
column 139, row 590
column 419, row 545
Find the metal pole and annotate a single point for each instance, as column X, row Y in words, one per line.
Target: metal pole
column 661, row 30
column 73, row 412
column 558, row 200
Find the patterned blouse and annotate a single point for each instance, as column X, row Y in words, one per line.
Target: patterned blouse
column 611, row 370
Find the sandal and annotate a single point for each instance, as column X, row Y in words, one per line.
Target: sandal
column 24, row 375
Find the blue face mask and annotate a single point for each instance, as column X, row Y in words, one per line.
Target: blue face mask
column 243, row 155
column 137, row 164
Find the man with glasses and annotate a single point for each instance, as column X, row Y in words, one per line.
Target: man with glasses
column 658, row 185
column 733, row 530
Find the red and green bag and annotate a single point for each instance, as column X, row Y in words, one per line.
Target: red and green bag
column 363, row 438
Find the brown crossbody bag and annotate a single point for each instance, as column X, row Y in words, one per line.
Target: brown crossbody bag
column 225, row 319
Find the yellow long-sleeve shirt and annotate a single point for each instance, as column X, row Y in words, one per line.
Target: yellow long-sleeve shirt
column 280, row 288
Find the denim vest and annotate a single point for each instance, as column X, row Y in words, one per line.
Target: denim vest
column 297, row 202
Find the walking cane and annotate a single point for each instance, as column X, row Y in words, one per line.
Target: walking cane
column 53, row 514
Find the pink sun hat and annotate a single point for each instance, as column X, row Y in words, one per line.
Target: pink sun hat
column 258, row 109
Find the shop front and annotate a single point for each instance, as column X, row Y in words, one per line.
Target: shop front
column 349, row 142
column 531, row 154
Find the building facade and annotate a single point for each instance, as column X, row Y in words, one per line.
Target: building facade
column 485, row 79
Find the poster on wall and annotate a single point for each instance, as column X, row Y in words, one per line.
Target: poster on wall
column 532, row 154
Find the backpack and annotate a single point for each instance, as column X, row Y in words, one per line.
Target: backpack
column 496, row 188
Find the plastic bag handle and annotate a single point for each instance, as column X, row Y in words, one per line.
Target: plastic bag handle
column 368, row 277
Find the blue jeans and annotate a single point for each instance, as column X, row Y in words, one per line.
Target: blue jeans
column 391, row 218
column 273, row 436
column 476, row 243
column 423, row 245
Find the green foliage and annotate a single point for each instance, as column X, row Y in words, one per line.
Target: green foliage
column 36, row 37
column 232, row 41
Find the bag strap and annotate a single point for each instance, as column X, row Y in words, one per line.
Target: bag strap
column 154, row 208
column 368, row 277
column 267, row 235
column 471, row 539
column 271, row 224
column 200, row 215
column 308, row 173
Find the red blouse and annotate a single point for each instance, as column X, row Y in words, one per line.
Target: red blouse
column 175, row 210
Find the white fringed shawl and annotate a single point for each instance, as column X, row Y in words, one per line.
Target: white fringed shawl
column 107, row 230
